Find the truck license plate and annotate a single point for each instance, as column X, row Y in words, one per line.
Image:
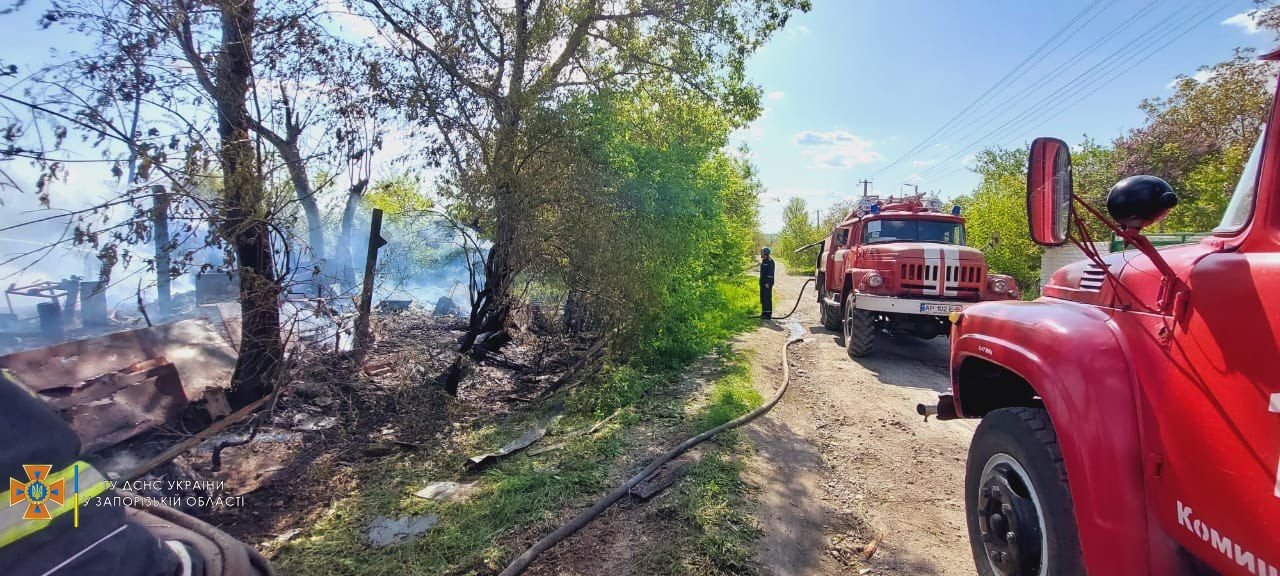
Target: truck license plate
column 939, row 308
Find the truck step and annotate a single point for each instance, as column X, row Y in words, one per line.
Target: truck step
column 830, row 302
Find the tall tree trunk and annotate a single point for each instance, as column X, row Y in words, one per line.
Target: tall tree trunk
column 160, row 218
column 487, row 327
column 306, row 197
column 345, row 259
column 260, row 347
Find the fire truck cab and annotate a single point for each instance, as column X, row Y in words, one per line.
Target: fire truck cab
column 1131, row 414
column 900, row 266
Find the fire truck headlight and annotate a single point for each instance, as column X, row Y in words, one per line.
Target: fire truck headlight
column 874, row 280
column 999, row 285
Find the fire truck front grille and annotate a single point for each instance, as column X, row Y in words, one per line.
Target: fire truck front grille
column 916, row 273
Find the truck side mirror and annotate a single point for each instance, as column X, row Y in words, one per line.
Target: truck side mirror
column 1049, row 191
column 1140, row 201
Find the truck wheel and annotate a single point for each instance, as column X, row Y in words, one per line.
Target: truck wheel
column 859, row 330
column 830, row 314
column 1018, row 506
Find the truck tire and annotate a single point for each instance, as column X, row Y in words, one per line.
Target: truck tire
column 830, row 314
column 859, row 330
column 1017, row 503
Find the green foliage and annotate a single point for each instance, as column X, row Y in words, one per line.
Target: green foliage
column 1208, row 187
column 398, row 196
column 656, row 245
column 797, row 230
column 616, row 386
column 996, row 216
column 1199, row 138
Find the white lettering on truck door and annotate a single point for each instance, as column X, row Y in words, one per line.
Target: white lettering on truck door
column 1275, row 408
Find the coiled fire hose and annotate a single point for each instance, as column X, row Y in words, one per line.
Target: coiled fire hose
column 522, row 562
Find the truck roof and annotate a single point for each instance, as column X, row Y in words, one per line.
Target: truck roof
column 911, row 209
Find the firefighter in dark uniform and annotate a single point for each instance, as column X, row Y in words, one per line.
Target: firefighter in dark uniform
column 766, row 284
column 39, row 462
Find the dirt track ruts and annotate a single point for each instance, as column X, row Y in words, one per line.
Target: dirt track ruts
column 845, row 456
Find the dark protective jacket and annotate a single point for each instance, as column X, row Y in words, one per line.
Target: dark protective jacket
column 766, row 272
column 104, row 543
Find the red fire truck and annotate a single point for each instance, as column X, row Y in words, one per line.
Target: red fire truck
column 900, row 266
column 1131, row 415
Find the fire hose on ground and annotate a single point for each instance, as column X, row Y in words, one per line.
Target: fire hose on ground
column 522, row 562
column 793, row 308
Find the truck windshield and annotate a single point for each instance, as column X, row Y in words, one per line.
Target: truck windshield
column 880, row 231
column 1241, row 205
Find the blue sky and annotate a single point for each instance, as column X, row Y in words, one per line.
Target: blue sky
column 853, row 86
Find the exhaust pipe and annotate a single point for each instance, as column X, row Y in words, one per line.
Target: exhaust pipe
column 945, row 409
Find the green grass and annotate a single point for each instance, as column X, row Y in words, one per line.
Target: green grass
column 710, row 516
column 712, row 529
column 470, row 538
column 524, row 493
column 732, row 395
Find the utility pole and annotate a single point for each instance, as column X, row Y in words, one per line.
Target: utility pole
column 866, row 185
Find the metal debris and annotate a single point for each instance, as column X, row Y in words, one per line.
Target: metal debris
column 387, row 531
column 111, row 388
column 448, row 491
column 200, row 352
column 524, row 441
column 545, row 449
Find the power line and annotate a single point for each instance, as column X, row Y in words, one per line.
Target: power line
column 974, row 121
column 1101, row 82
column 993, row 87
column 1099, row 68
column 1081, row 81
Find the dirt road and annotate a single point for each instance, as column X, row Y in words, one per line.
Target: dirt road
column 845, row 457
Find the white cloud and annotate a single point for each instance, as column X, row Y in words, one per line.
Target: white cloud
column 968, row 159
column 1200, row 76
column 914, row 179
column 776, row 95
column 836, row 148
column 1245, row 20
column 751, row 133
column 923, row 163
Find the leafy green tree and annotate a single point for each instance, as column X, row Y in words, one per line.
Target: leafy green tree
column 996, row 216
column 836, row 214
column 645, row 232
column 797, row 230
column 1199, row 138
column 1094, row 170
column 486, row 76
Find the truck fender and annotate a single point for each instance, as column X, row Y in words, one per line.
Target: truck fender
column 1071, row 362
column 855, row 275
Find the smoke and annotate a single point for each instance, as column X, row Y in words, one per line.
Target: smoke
column 425, row 259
